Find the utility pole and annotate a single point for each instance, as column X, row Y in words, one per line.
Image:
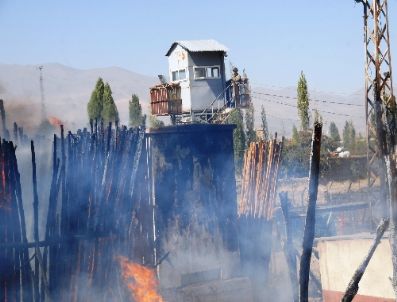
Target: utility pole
column 43, row 110
column 380, row 109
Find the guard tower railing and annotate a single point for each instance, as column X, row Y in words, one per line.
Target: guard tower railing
column 235, row 95
column 165, row 99
column 238, row 95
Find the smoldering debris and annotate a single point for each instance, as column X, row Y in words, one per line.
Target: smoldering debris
column 2, row 89
column 125, row 203
column 89, row 221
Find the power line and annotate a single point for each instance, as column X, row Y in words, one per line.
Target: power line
column 294, row 106
column 314, row 100
column 282, row 118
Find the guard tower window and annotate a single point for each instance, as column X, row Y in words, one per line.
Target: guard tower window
column 207, row 72
column 179, row 75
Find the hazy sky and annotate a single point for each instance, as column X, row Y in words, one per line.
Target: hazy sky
column 273, row 40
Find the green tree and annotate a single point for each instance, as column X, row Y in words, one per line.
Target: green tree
column 236, row 117
column 295, row 135
column 264, row 125
column 334, row 132
column 303, row 102
column 109, row 112
column 135, row 112
column 95, row 105
column 296, row 154
column 317, row 117
column 349, row 136
column 249, row 125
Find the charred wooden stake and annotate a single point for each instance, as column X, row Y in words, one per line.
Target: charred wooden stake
column 15, row 131
column 386, row 151
column 92, row 125
column 289, row 250
column 308, row 237
column 3, row 120
column 352, row 288
column 64, row 206
column 51, row 221
column 36, row 223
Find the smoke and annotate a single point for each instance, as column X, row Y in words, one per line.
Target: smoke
column 195, row 250
column 43, row 162
column 185, row 252
column 24, row 112
column 2, row 89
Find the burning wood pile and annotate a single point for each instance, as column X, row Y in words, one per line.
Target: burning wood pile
column 95, row 212
column 99, row 220
column 141, row 281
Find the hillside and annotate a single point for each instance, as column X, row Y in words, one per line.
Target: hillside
column 67, row 91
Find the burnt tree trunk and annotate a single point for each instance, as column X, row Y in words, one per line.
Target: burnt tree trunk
column 308, row 237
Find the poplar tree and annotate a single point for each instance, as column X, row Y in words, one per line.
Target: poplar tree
column 264, row 125
column 109, row 112
column 236, row 117
column 249, row 124
column 334, row 132
column 317, row 117
column 303, row 102
column 295, row 135
column 135, row 111
column 349, row 136
column 95, row 105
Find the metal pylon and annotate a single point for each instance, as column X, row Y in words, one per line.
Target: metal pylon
column 379, row 99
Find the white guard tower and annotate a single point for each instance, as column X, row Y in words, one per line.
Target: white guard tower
column 198, row 90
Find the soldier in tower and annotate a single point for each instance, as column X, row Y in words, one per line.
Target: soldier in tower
column 236, row 80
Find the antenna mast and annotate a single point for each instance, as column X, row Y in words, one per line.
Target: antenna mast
column 43, row 110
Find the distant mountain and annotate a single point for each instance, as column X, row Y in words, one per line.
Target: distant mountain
column 67, row 91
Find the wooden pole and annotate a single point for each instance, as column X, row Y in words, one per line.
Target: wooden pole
column 3, row 119
column 352, row 288
column 36, row 223
column 289, row 250
column 16, row 180
column 308, row 237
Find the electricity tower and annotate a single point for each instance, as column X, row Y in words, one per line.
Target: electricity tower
column 379, row 99
column 381, row 113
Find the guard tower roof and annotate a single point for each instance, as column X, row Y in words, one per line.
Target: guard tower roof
column 199, row 46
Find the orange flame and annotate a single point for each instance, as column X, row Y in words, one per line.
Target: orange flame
column 55, row 121
column 141, row 281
